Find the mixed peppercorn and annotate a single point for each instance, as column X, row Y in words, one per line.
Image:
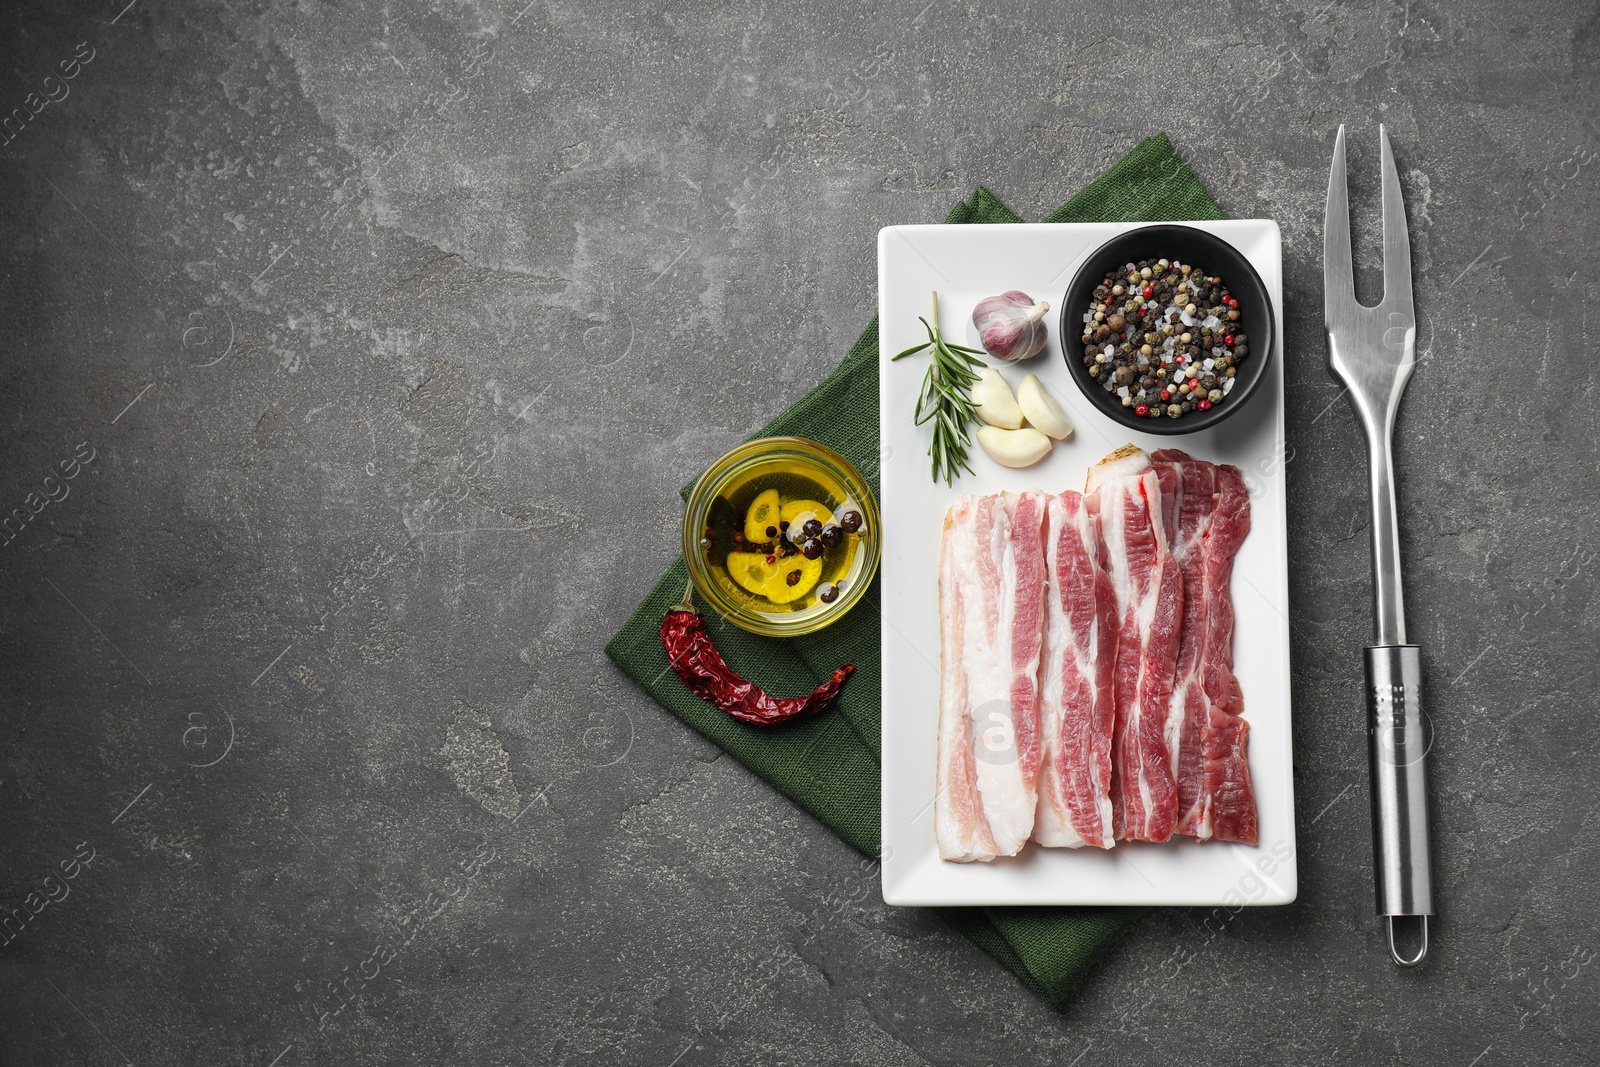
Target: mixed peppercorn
column 1164, row 337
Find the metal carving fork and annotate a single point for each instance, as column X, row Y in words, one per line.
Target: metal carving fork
column 1372, row 350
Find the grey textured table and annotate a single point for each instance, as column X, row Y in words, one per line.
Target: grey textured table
column 377, row 339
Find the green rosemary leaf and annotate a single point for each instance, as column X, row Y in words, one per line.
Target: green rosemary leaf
column 945, row 398
column 949, row 392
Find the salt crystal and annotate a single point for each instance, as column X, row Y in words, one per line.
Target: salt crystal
column 1212, row 322
column 1110, row 349
column 1122, row 390
column 1227, row 385
column 1208, row 364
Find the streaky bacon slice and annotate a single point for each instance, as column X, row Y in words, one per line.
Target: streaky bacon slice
column 1125, row 493
column 1230, row 524
column 959, row 824
column 1215, row 795
column 992, row 594
column 1077, row 706
column 1227, row 776
column 1192, row 502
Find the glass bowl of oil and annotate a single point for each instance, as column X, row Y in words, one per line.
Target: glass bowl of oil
column 781, row 536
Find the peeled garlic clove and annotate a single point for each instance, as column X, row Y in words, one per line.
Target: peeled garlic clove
column 1042, row 410
column 1011, row 325
column 1014, row 448
column 994, row 401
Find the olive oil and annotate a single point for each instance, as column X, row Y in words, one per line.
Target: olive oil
column 774, row 575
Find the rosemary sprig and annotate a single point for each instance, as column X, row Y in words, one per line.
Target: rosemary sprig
column 946, row 398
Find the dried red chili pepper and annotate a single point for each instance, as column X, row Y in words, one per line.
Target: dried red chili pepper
column 702, row 668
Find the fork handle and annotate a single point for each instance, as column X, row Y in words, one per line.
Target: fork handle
column 1388, row 598
column 1398, row 743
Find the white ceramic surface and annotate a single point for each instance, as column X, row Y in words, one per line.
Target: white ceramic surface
column 965, row 264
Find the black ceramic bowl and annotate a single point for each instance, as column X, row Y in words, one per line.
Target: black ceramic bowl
column 1186, row 244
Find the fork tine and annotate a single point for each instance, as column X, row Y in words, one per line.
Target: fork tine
column 1338, row 276
column 1396, row 241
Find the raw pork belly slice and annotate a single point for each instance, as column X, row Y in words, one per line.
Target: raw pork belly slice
column 1194, row 485
column 991, row 604
column 1125, row 493
column 1077, row 707
column 1227, row 776
column 1213, row 771
column 1230, row 523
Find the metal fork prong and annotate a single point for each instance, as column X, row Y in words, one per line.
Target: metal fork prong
column 1338, row 275
column 1396, row 241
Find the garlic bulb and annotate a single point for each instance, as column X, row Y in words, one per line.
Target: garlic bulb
column 1011, row 325
column 1043, row 411
column 992, row 397
column 1014, row 448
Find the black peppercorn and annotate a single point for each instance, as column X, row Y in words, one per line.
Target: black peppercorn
column 832, row 535
column 851, row 521
column 811, row 548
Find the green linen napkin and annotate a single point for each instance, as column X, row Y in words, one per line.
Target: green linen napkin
column 829, row 764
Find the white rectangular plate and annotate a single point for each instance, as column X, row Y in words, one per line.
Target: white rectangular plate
column 965, row 264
